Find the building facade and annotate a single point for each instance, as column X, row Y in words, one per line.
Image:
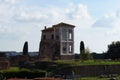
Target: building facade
column 57, row 42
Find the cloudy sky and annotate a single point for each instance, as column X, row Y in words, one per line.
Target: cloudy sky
column 97, row 22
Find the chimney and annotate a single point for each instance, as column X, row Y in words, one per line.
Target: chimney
column 45, row 27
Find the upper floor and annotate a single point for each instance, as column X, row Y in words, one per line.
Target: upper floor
column 59, row 32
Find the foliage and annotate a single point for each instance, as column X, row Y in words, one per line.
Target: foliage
column 53, row 66
column 88, row 56
column 98, row 56
column 113, row 50
column 82, row 48
column 1, row 76
column 15, row 72
column 84, row 52
column 92, row 78
column 25, row 48
column 87, row 62
column 77, row 57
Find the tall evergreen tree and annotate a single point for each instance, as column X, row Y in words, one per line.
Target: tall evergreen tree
column 25, row 48
column 82, row 50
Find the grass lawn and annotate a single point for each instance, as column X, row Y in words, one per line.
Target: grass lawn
column 16, row 69
column 97, row 78
column 11, row 69
column 88, row 62
column 93, row 78
column 73, row 63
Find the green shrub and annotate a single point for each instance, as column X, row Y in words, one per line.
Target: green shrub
column 23, row 73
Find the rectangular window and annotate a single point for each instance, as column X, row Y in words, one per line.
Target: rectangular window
column 70, row 34
column 70, row 48
column 44, row 37
column 57, row 37
column 64, row 47
column 52, row 36
column 57, row 33
column 64, row 34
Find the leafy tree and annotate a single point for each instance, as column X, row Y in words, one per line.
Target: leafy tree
column 1, row 76
column 88, row 56
column 113, row 50
column 25, row 48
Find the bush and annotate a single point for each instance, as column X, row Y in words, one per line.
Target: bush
column 23, row 73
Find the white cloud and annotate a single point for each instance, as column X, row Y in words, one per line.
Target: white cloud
column 23, row 22
column 79, row 15
column 76, row 14
column 13, row 1
column 110, row 21
column 33, row 16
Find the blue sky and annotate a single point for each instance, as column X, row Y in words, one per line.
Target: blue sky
column 97, row 22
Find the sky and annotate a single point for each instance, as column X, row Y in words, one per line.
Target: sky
column 97, row 22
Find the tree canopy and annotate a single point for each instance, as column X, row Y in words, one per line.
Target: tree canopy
column 113, row 50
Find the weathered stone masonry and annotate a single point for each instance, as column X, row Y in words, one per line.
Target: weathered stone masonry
column 57, row 42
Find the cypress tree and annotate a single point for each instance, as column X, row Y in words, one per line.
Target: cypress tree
column 82, row 50
column 25, row 48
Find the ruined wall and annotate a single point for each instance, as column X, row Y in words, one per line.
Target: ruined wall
column 97, row 70
column 67, row 57
column 4, row 63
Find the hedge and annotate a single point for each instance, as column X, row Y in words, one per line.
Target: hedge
column 22, row 74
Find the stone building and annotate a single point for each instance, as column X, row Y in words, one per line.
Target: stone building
column 57, row 42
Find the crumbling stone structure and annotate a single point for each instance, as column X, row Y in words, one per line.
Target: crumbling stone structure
column 4, row 63
column 57, row 42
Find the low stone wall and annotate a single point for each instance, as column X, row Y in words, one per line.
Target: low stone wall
column 67, row 57
column 4, row 63
column 96, row 70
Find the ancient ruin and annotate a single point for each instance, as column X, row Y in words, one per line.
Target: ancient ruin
column 57, row 42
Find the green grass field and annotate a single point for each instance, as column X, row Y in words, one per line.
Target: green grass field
column 96, row 78
column 75, row 63
column 88, row 62
column 93, row 78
